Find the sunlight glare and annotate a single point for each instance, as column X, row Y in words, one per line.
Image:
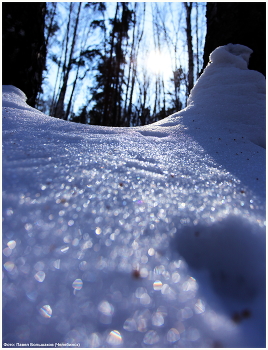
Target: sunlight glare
column 159, row 63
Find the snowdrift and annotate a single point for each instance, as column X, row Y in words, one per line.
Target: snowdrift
column 149, row 236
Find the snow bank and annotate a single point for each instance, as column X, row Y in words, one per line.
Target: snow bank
column 150, row 236
column 231, row 55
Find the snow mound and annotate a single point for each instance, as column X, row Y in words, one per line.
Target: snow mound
column 228, row 97
column 231, row 55
column 150, row 236
column 15, row 98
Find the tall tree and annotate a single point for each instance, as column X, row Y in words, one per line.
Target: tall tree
column 237, row 23
column 59, row 111
column 108, row 93
column 190, row 84
column 171, row 38
column 197, row 41
column 138, row 32
column 51, row 27
column 23, row 46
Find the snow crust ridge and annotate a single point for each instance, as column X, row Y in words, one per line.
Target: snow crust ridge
column 12, row 97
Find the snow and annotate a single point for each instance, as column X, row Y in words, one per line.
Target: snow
column 231, row 55
column 148, row 236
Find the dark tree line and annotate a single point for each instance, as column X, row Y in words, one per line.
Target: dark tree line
column 122, row 91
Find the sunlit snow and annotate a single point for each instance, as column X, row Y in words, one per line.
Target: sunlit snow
column 148, row 236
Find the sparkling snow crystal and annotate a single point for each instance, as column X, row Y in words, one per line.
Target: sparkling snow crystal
column 148, row 236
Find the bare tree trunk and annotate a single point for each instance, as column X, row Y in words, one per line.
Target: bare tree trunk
column 85, row 35
column 156, row 44
column 107, row 89
column 164, row 98
column 54, row 97
column 55, row 107
column 130, row 68
column 119, row 54
column 197, row 42
column 72, row 93
column 49, row 31
column 188, row 7
column 59, row 112
column 134, row 65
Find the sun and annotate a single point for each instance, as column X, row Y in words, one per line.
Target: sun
column 159, row 63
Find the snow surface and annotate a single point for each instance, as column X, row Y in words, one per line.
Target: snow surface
column 148, row 236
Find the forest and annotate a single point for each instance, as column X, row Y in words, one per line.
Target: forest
column 120, row 63
column 126, row 63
